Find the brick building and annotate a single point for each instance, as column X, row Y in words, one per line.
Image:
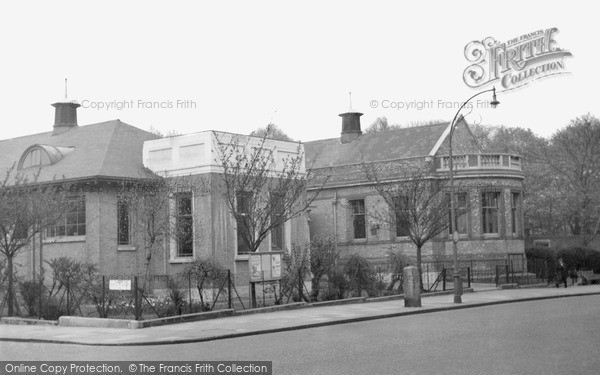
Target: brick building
column 490, row 220
column 99, row 227
column 93, row 159
column 196, row 156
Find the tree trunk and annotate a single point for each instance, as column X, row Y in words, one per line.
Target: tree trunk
column 314, row 290
column 419, row 267
column 10, row 291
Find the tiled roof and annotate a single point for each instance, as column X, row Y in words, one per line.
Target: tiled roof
column 109, row 149
column 394, row 144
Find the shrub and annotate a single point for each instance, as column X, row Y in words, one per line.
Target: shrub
column 397, row 262
column 72, row 282
column 581, row 258
column 338, row 286
column 31, row 292
column 323, row 257
column 361, row 274
column 176, row 297
column 297, row 267
column 207, row 273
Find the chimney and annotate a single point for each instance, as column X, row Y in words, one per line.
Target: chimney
column 65, row 114
column 350, row 126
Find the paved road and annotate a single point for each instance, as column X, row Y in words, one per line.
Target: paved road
column 557, row 336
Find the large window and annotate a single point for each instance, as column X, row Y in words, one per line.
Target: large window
column 401, row 213
column 72, row 223
column 123, row 222
column 244, row 202
column 277, row 234
column 515, row 205
column 461, row 213
column 490, row 204
column 357, row 208
column 184, row 225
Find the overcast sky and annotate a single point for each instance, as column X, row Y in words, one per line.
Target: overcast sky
column 236, row 66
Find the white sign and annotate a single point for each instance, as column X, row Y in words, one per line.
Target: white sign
column 119, row 284
column 265, row 266
column 276, row 266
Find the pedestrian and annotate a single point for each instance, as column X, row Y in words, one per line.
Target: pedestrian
column 561, row 272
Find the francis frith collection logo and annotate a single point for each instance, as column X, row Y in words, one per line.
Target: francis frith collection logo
column 514, row 63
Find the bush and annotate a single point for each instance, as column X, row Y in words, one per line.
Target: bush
column 361, row 274
column 540, row 253
column 338, row 286
column 207, row 273
column 575, row 258
column 31, row 292
column 297, row 267
column 323, row 257
column 176, row 297
column 581, row 258
column 397, row 262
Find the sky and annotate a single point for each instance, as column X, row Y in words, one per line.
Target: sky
column 186, row 66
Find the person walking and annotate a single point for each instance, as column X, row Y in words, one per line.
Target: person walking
column 561, row 272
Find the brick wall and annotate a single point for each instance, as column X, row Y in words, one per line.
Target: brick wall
column 380, row 233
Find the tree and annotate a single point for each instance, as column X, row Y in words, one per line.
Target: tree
column 144, row 207
column 573, row 154
column 271, row 131
column 26, row 209
column 379, row 125
column 262, row 193
column 416, row 203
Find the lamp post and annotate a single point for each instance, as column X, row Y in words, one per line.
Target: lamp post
column 455, row 238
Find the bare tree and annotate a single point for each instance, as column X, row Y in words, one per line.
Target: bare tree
column 416, row 201
column 380, row 125
column 26, row 209
column 262, row 193
column 144, row 206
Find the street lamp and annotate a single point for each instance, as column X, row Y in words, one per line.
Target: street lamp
column 456, row 271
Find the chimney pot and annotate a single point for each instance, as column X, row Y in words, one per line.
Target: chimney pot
column 350, row 126
column 65, row 115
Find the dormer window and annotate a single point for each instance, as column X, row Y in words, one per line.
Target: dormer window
column 35, row 158
column 41, row 155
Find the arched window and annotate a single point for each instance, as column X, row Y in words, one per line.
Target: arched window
column 36, row 157
column 41, row 155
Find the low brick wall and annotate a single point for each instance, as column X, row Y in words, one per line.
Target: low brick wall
column 79, row 321
column 181, row 318
column 25, row 321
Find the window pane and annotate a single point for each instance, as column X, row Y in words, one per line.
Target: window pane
column 185, row 224
column 490, row 212
column 515, row 212
column 184, row 239
column 123, row 223
column 72, row 222
column 358, row 218
column 244, row 204
column 402, row 223
column 277, row 240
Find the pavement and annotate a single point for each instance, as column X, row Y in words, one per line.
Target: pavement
column 279, row 321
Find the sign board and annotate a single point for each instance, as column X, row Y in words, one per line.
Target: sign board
column 119, row 284
column 265, row 266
